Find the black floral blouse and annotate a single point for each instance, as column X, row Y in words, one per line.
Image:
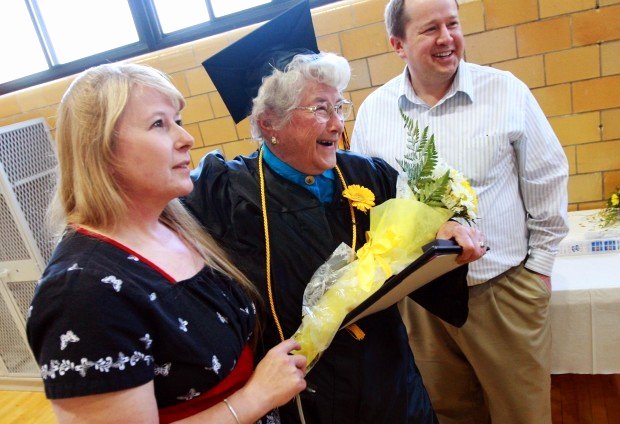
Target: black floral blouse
column 105, row 319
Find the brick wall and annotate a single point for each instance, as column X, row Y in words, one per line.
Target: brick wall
column 566, row 51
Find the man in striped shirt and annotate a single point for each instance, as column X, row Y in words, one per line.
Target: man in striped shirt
column 488, row 125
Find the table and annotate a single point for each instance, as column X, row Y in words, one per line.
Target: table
column 585, row 311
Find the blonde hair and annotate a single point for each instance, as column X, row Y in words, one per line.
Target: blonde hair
column 86, row 193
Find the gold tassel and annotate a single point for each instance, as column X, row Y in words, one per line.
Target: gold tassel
column 357, row 333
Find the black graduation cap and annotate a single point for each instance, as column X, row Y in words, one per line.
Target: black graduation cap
column 239, row 69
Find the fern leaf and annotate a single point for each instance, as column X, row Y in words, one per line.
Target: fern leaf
column 429, row 155
column 434, row 191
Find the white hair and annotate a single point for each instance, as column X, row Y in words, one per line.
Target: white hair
column 279, row 93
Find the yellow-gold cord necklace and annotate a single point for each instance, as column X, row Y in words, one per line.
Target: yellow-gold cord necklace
column 263, row 201
column 272, row 305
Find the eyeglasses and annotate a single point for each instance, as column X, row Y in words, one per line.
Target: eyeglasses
column 323, row 113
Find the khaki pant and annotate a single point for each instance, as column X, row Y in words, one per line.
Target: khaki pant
column 496, row 368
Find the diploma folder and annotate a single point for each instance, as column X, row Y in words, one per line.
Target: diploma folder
column 438, row 258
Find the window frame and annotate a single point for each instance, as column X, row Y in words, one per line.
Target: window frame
column 151, row 37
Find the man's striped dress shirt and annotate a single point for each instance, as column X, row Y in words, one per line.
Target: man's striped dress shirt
column 490, row 127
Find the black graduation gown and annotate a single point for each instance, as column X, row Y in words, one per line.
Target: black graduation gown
column 373, row 380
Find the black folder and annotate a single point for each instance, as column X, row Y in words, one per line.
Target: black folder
column 438, row 258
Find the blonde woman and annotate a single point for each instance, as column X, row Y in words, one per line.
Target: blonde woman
column 139, row 315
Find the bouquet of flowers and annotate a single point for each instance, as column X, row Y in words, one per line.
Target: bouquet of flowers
column 432, row 181
column 429, row 193
column 611, row 214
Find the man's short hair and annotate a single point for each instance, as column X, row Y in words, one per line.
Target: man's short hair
column 395, row 18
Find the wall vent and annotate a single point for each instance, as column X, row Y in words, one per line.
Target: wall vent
column 27, row 179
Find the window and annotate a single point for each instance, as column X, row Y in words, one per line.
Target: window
column 19, row 44
column 226, row 7
column 43, row 40
column 195, row 12
column 109, row 26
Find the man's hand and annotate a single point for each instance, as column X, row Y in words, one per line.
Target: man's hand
column 546, row 279
column 469, row 238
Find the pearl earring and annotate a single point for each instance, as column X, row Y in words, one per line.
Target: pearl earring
column 274, row 140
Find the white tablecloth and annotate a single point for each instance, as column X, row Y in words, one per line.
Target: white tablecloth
column 585, row 314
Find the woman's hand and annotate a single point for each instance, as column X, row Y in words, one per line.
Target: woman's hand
column 278, row 377
column 281, row 373
column 469, row 238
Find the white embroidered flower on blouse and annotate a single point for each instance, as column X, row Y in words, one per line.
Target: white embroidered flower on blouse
column 54, row 366
column 190, row 395
column 65, row 365
column 182, row 324
column 85, row 364
column 135, row 358
column 68, row 337
column 49, row 371
column 222, row 318
column 272, row 418
column 116, row 283
column 152, row 296
column 74, row 267
column 122, row 360
column 246, row 310
column 104, row 364
column 44, row 371
column 147, row 340
column 133, row 258
column 215, row 365
column 163, row 370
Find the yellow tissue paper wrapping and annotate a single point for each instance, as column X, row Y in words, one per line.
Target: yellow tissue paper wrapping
column 398, row 229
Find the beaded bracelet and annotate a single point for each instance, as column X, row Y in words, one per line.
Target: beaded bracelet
column 232, row 411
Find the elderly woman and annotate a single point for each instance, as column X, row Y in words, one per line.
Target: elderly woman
column 281, row 212
column 139, row 315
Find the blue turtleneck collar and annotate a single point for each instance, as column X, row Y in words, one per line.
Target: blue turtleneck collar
column 322, row 186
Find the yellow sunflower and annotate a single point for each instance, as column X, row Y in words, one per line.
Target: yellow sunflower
column 360, row 197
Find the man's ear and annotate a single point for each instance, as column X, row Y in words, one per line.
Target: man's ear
column 397, row 45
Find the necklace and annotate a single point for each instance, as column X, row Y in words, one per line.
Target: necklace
column 263, row 201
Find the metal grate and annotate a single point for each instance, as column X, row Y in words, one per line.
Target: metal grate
column 27, row 179
column 26, row 150
column 28, row 161
column 12, row 247
column 22, row 293
column 14, row 351
column 34, row 196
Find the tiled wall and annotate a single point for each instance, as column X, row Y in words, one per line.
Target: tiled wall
column 566, row 51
